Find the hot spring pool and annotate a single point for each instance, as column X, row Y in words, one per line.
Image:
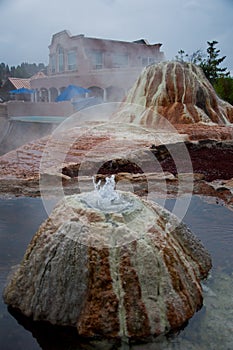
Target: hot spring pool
column 210, row 329
column 39, row 119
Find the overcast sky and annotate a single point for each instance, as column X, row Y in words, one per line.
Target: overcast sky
column 27, row 26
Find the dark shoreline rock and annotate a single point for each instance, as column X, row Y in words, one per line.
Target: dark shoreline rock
column 211, row 158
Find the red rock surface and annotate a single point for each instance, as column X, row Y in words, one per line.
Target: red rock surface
column 77, row 146
column 201, row 131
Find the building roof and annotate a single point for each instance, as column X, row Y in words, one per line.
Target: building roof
column 38, row 75
column 141, row 41
column 68, row 34
column 19, row 83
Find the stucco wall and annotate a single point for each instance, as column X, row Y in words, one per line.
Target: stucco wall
column 21, row 108
column 4, row 121
column 3, row 110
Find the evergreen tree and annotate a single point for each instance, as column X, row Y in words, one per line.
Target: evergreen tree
column 24, row 70
column 224, row 88
column 210, row 64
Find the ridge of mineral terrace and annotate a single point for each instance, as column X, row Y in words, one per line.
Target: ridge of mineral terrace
column 181, row 93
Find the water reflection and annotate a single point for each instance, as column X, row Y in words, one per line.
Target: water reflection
column 56, row 338
column 20, row 219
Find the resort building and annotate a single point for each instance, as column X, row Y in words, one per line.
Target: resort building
column 108, row 68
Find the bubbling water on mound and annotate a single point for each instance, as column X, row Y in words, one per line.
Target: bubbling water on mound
column 107, row 199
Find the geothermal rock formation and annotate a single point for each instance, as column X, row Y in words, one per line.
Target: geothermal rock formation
column 179, row 92
column 132, row 273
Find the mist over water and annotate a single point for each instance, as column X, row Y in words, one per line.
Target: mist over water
column 19, row 131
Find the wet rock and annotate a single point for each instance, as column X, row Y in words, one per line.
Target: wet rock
column 180, row 92
column 201, row 131
column 133, row 273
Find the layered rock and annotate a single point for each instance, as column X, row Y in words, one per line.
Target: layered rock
column 79, row 145
column 134, row 272
column 200, row 131
column 179, row 92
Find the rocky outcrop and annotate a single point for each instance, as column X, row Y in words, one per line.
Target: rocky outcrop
column 200, row 131
column 132, row 273
column 179, row 92
column 210, row 158
column 79, row 145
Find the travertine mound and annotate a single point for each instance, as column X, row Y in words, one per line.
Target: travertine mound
column 179, row 92
column 133, row 273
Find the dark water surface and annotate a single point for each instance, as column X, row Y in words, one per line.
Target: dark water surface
column 212, row 223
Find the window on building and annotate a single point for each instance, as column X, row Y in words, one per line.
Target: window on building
column 61, row 65
column 53, row 63
column 148, row 60
column 120, row 60
column 72, row 60
column 97, row 59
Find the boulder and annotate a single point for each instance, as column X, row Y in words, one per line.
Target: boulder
column 133, row 272
column 180, row 92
